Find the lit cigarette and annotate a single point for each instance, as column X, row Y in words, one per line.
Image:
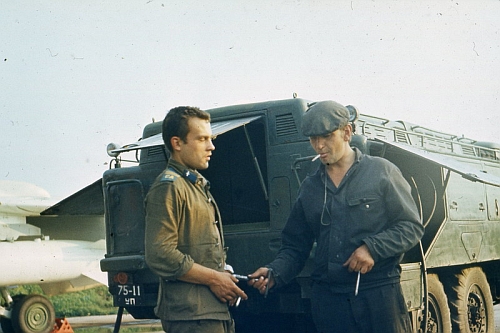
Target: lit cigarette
column 357, row 284
column 315, row 158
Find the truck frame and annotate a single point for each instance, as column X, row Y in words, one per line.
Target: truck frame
column 450, row 280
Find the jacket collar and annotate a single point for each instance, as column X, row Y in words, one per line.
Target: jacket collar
column 191, row 175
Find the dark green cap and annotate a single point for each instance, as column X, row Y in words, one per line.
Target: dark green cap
column 324, row 117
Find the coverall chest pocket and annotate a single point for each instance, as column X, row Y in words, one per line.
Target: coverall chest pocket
column 365, row 211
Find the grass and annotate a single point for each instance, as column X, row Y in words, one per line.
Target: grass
column 91, row 302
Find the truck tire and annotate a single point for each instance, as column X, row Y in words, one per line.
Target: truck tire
column 33, row 314
column 439, row 319
column 6, row 325
column 471, row 303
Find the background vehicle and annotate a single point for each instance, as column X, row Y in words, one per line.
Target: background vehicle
column 450, row 279
column 59, row 253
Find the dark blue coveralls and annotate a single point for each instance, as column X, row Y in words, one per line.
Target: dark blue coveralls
column 373, row 206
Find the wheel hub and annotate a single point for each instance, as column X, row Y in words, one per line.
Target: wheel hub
column 476, row 313
column 37, row 317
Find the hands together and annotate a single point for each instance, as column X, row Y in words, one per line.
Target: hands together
column 261, row 280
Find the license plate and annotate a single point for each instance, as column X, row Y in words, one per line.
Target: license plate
column 129, row 295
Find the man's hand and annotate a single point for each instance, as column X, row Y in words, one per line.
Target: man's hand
column 259, row 280
column 222, row 284
column 360, row 260
column 224, row 287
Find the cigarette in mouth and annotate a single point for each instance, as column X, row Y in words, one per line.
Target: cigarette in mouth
column 315, row 158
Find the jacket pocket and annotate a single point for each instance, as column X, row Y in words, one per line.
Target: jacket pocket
column 366, row 212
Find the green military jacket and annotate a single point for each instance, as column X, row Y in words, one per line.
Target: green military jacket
column 183, row 227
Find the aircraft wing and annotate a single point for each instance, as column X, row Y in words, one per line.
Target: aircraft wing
column 24, row 206
column 22, row 199
column 19, row 200
column 55, row 261
column 87, row 201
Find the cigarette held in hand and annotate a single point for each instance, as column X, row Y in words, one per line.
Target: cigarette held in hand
column 357, row 284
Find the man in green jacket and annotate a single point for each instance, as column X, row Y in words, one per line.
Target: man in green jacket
column 184, row 239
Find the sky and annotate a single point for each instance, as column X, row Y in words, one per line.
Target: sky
column 77, row 75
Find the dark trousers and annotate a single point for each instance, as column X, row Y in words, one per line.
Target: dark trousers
column 376, row 310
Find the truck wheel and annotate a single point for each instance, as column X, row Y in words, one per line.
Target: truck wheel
column 6, row 323
column 471, row 303
column 439, row 320
column 33, row 314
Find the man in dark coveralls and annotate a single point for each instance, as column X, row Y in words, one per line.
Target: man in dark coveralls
column 184, row 239
column 359, row 210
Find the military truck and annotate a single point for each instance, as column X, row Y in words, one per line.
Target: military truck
column 450, row 280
